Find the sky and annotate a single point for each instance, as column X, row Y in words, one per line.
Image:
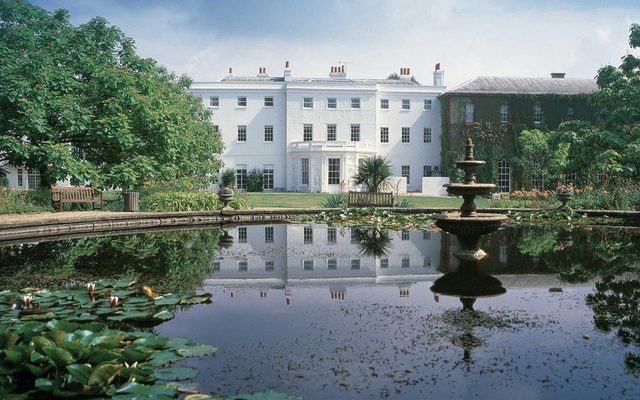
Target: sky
column 203, row 38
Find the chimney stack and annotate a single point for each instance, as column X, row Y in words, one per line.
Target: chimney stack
column 262, row 72
column 405, row 73
column 557, row 75
column 230, row 71
column 438, row 76
column 287, row 71
column 337, row 72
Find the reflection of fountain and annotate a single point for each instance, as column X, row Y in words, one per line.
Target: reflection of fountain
column 226, row 240
column 468, row 282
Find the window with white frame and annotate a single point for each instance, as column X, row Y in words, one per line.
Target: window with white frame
column 384, row 134
column 504, row 176
column 268, row 101
column 268, row 234
column 355, row 102
column 241, row 177
column 405, row 262
column 355, row 263
column 426, row 262
column 384, row 263
column 334, row 171
column 426, row 235
column 243, row 265
column 20, row 177
column 268, row 266
column 214, row 101
column 571, row 113
column 569, row 179
column 307, row 265
column 332, row 103
column 216, row 128
column 406, row 172
column 428, row 104
column 384, row 104
column 602, row 178
column 242, row 234
column 468, row 112
column 242, row 101
column 332, row 235
column 504, row 113
column 33, row 178
column 427, row 170
column 426, row 135
column 216, row 264
column 242, row 133
column 406, row 134
column 332, row 264
column 267, row 177
column 406, row 104
column 536, row 181
column 537, row 114
column 268, row 133
column 404, row 235
column 307, row 235
column 307, row 132
column 355, row 236
column 332, row 132
column 307, row 102
column 355, row 132
column 304, row 168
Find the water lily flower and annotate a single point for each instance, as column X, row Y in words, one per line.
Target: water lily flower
column 27, row 301
column 113, row 301
column 91, row 287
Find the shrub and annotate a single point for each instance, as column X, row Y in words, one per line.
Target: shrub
column 335, row 201
column 227, row 177
column 19, row 201
column 254, row 180
column 179, row 201
column 403, row 203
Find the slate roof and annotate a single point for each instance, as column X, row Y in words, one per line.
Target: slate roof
column 249, row 79
column 510, row 85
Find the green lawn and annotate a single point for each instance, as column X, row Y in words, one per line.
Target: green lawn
column 314, row 200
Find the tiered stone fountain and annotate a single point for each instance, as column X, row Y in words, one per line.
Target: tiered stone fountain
column 468, row 282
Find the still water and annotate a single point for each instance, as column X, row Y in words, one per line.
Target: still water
column 323, row 312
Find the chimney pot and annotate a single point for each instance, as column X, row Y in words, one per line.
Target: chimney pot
column 557, row 75
column 286, row 64
column 438, row 67
column 230, row 70
column 343, row 68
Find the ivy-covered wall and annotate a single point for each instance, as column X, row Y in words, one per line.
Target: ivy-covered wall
column 495, row 140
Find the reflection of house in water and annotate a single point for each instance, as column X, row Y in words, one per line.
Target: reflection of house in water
column 286, row 256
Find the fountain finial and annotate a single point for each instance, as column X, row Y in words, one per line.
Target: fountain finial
column 469, row 149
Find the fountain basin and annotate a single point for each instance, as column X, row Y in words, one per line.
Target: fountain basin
column 469, row 227
column 469, row 189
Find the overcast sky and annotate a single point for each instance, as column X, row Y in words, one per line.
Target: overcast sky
column 202, row 38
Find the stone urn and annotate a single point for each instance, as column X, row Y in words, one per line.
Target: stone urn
column 564, row 196
column 226, row 196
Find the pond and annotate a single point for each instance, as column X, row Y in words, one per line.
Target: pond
column 328, row 312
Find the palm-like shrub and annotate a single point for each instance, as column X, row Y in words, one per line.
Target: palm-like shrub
column 374, row 173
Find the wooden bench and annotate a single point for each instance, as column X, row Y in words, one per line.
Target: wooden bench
column 370, row 199
column 74, row 194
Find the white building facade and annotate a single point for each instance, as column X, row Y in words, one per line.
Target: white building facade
column 309, row 134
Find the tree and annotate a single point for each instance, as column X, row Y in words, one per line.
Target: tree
column 373, row 172
column 538, row 157
column 612, row 145
column 78, row 103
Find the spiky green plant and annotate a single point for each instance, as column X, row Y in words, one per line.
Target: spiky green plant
column 374, row 173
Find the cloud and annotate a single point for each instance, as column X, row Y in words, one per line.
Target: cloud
column 471, row 38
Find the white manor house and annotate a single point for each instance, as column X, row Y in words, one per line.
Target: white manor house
column 308, row 134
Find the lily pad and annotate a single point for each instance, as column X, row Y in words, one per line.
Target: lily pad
column 175, row 373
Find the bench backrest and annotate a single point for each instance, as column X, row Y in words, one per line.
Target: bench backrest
column 382, row 199
column 71, row 193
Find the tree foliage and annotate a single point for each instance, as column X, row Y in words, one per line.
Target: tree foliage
column 79, row 103
column 612, row 145
column 538, row 157
column 373, row 172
